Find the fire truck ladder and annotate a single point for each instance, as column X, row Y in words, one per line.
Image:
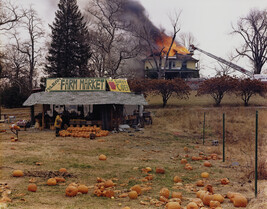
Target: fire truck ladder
column 230, row 64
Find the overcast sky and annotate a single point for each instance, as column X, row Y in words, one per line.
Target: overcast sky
column 208, row 20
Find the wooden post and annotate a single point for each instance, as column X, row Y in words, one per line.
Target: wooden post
column 32, row 115
column 43, row 121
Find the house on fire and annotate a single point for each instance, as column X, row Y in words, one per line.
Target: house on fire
column 177, row 66
column 180, row 62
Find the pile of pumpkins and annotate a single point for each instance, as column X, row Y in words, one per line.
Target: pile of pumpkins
column 84, row 131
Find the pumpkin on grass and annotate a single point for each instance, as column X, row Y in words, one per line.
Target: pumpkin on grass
column 164, row 192
column 177, row 195
column 177, row 179
column 205, row 175
column 192, row 205
column 71, row 191
column 102, row 157
column 137, row 188
column 173, row 205
column 51, row 182
column 133, row 195
column 32, row 187
column 62, row 170
column 18, row 173
column 83, row 189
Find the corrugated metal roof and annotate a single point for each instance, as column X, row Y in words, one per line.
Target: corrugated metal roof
column 84, row 98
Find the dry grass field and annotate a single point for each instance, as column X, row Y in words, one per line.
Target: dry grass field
column 40, row 155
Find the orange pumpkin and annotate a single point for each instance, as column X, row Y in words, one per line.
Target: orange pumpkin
column 218, row 197
column 108, row 183
column 160, row 170
column 207, row 164
column 102, row 157
column 32, row 187
column 71, row 191
column 225, row 181
column 239, row 200
column 215, row 204
column 62, row 170
column 207, row 198
column 137, row 188
column 18, row 173
column 200, row 183
column 192, row 205
column 177, row 179
column 173, row 205
column 133, row 195
column 83, row 189
column 177, row 195
column 109, row 193
column 205, row 175
column 183, row 161
column 51, row 182
column 164, row 192
column 60, row 179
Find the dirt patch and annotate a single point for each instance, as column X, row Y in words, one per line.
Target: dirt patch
column 49, row 174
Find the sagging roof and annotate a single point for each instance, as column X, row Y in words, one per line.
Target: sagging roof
column 85, row 98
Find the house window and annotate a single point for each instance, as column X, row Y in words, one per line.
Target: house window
column 171, row 64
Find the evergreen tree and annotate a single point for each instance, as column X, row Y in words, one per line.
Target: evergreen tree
column 69, row 50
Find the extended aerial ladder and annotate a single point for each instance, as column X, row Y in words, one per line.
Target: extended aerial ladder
column 230, row 64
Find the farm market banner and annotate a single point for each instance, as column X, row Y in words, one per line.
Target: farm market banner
column 75, row 84
column 119, row 85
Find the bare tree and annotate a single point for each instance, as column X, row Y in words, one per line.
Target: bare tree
column 29, row 47
column 111, row 42
column 9, row 15
column 225, row 70
column 187, row 39
column 253, row 30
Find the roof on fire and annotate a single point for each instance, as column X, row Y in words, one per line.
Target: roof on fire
column 85, row 98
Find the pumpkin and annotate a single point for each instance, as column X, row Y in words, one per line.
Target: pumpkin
column 102, row 157
column 186, row 149
column 83, row 189
column 183, row 161
column 173, row 205
column 200, row 192
column 198, row 201
column 177, row 179
column 192, row 205
column 200, row 183
column 205, row 175
column 60, row 179
column 218, row 197
column 108, row 183
column 215, row 204
column 207, row 198
column 109, row 193
column 209, row 188
column 126, row 207
column 149, row 177
column 32, row 187
column 133, row 195
column 137, row 188
column 207, row 164
column 160, row 170
column 18, row 173
column 164, row 192
column 148, row 169
column 51, row 182
column 239, row 200
column 163, row 199
column 62, row 170
column 177, row 195
column 214, row 156
column 71, row 191
column 188, row 167
column 225, row 181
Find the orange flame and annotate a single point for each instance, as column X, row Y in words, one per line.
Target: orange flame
column 165, row 43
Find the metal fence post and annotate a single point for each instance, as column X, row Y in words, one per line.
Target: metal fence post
column 256, row 156
column 204, row 128
column 223, row 137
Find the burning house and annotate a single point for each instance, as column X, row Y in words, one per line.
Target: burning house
column 179, row 62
